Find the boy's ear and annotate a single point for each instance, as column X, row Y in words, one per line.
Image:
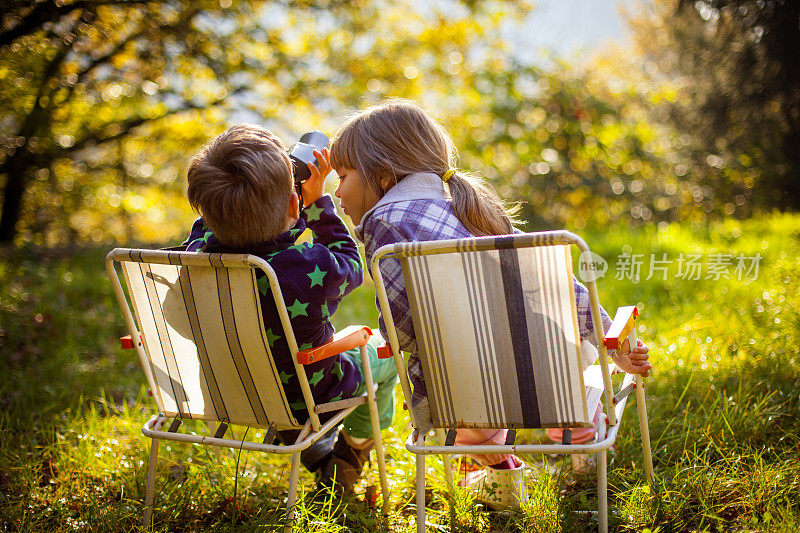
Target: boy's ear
column 294, row 206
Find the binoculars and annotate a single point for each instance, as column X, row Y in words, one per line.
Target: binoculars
column 302, row 154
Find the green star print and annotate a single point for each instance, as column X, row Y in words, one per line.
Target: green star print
column 337, row 370
column 313, row 212
column 271, row 337
column 342, row 287
column 336, row 398
column 297, row 309
column 306, row 346
column 356, row 264
column 317, row 276
column 285, row 377
column 299, row 247
column 263, row 284
column 316, row 378
column 337, row 244
column 299, row 404
column 325, row 312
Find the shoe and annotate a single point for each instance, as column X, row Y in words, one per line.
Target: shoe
column 584, row 463
column 343, row 469
column 499, row 489
column 315, row 456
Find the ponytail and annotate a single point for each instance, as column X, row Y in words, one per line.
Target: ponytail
column 479, row 207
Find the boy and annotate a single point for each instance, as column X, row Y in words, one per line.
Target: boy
column 241, row 183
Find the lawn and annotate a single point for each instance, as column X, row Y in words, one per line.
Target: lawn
column 724, row 405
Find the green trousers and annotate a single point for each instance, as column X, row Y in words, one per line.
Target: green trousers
column 384, row 375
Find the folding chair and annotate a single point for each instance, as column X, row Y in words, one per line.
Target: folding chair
column 200, row 338
column 497, row 333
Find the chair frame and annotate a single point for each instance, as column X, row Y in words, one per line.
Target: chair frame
column 608, row 426
column 310, row 432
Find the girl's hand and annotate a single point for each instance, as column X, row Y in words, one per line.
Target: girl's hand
column 633, row 362
column 314, row 186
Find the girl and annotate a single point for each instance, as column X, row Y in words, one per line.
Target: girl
column 397, row 182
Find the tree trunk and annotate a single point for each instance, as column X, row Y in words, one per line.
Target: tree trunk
column 790, row 181
column 788, row 50
column 17, row 173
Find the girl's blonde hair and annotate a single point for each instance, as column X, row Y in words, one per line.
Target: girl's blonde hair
column 387, row 142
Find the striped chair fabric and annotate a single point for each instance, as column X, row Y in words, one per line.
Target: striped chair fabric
column 497, row 332
column 205, row 339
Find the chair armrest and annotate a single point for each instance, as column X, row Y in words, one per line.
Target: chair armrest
column 385, row 351
column 621, row 326
column 347, row 339
column 126, row 342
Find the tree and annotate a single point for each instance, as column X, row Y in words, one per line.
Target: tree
column 102, row 101
column 734, row 67
column 88, row 74
column 575, row 146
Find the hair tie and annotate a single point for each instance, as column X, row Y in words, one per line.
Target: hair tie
column 449, row 174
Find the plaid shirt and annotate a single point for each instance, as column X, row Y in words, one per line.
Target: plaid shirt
column 417, row 209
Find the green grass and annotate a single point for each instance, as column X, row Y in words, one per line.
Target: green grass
column 724, row 405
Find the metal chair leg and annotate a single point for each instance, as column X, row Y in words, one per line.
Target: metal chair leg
column 151, row 482
column 291, row 498
column 420, row 487
column 448, row 466
column 294, row 476
column 376, row 429
column 602, row 493
column 602, row 481
column 644, row 429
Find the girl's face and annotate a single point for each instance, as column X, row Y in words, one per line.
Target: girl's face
column 356, row 199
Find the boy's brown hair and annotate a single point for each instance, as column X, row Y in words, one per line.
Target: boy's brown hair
column 241, row 183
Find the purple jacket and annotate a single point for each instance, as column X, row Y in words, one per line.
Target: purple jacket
column 313, row 279
column 418, row 209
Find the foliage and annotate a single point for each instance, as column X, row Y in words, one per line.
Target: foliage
column 732, row 69
column 582, row 145
column 103, row 102
column 76, row 84
column 723, row 404
column 575, row 150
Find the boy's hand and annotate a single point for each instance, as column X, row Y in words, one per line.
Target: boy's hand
column 633, row 362
column 314, row 186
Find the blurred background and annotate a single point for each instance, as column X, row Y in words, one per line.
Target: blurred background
column 666, row 133
column 590, row 113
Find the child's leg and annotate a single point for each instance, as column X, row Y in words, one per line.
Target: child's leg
column 384, row 375
column 500, row 484
column 579, row 435
column 355, row 440
column 476, row 437
column 315, row 456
